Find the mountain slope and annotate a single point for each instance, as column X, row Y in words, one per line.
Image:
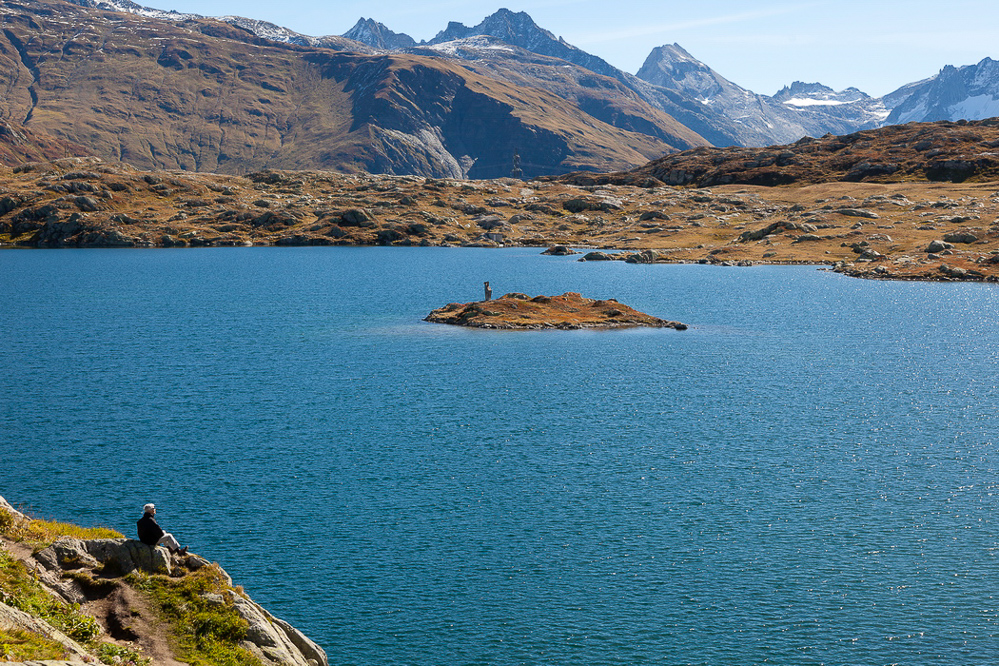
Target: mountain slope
column 373, row 33
column 957, row 152
column 601, row 97
column 969, row 92
column 206, row 95
column 758, row 120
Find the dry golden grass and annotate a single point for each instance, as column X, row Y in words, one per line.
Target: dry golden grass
column 88, row 203
column 40, row 532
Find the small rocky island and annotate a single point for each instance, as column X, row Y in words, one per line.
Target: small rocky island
column 568, row 311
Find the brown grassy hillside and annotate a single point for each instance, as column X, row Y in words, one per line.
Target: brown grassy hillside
column 911, row 230
column 202, row 95
column 941, row 151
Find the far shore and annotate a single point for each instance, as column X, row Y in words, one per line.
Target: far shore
column 900, row 231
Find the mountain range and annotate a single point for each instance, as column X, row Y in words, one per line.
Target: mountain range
column 161, row 89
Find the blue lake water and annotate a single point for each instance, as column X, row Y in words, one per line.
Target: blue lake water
column 806, row 476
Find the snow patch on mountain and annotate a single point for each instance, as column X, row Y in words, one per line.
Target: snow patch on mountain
column 129, row 7
column 970, row 92
column 373, row 33
column 470, row 47
column 807, row 101
column 864, row 108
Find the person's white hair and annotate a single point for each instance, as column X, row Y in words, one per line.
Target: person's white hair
column 149, row 508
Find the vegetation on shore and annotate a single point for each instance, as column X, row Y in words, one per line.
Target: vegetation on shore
column 194, row 607
column 41, row 533
column 912, row 230
column 205, row 627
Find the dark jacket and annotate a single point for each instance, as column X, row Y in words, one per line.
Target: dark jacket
column 149, row 531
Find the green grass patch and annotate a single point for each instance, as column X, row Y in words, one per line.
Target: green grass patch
column 205, row 632
column 21, row 645
column 110, row 653
column 19, row 589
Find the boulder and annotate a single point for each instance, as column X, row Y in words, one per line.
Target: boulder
column 559, row 251
column 858, row 212
column 643, row 257
column 119, row 555
column 489, row 222
column 273, row 640
column 596, row 256
column 960, row 237
column 355, row 217
column 938, row 246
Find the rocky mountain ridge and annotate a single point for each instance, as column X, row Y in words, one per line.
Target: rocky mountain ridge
column 739, row 116
column 169, row 90
column 969, row 92
column 207, row 95
column 942, row 151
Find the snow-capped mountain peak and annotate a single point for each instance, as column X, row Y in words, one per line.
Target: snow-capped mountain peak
column 373, row 33
column 970, row 92
column 815, row 94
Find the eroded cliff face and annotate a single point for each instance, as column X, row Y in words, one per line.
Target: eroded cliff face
column 117, row 600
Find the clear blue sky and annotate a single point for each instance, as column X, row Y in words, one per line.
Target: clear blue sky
column 877, row 45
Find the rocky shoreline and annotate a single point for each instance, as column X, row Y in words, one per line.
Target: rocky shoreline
column 569, row 311
column 103, row 585
column 909, row 231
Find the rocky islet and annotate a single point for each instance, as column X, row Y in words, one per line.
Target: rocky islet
column 568, row 311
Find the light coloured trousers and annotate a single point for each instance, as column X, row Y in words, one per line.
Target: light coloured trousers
column 168, row 541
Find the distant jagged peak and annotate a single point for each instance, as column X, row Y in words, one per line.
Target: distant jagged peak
column 507, row 25
column 969, row 92
column 802, row 88
column 811, row 94
column 673, row 53
column 371, row 32
column 519, row 29
column 512, row 27
column 671, row 66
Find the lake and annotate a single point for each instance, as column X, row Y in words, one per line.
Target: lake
column 805, row 476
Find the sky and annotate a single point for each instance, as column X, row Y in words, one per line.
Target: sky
column 876, row 46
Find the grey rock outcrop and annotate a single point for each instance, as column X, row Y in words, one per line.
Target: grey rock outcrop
column 960, row 237
column 272, row 640
column 596, row 256
column 938, row 246
column 122, row 556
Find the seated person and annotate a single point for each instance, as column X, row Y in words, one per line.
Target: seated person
column 150, row 533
